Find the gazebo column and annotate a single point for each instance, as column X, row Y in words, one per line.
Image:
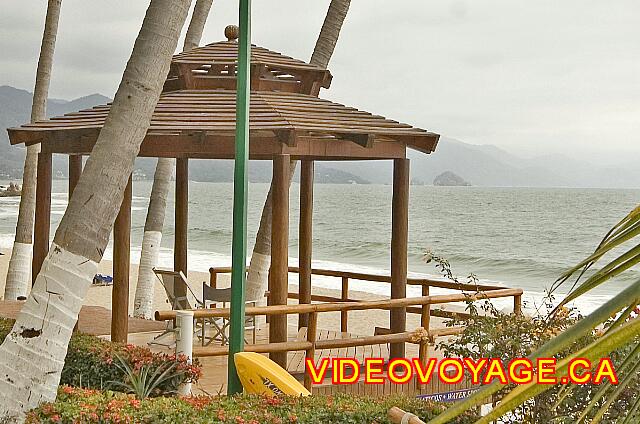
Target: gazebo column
column 399, row 245
column 279, row 253
column 75, row 170
column 42, row 219
column 121, row 268
column 181, row 216
column 305, row 236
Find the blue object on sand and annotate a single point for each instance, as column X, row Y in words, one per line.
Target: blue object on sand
column 102, row 280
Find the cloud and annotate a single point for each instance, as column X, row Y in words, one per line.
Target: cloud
column 545, row 75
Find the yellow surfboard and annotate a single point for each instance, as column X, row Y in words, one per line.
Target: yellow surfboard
column 260, row 375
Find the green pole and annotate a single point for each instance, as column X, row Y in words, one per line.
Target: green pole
column 240, row 189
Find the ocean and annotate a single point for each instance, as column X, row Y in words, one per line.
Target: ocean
column 518, row 237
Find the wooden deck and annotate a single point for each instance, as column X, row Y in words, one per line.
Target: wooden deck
column 296, row 360
column 214, row 376
column 94, row 320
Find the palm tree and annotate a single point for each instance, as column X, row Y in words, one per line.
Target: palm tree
column 143, row 303
column 32, row 355
column 624, row 330
column 18, row 273
column 258, row 274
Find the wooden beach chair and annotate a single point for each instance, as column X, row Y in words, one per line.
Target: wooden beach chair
column 211, row 297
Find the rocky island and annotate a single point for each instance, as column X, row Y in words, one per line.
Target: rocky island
column 449, row 179
column 11, row 191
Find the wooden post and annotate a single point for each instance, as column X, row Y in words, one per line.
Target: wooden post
column 425, row 315
column 213, row 278
column 517, row 305
column 398, row 416
column 425, row 322
column 279, row 253
column 344, row 317
column 121, row 265
column 399, row 243
column 42, row 219
column 75, row 170
column 181, row 217
column 312, row 329
column 306, row 236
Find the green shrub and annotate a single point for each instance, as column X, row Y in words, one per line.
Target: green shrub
column 90, row 406
column 91, row 363
column 490, row 333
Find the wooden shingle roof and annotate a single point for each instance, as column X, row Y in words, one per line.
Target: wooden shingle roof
column 215, row 65
column 204, row 117
column 227, row 52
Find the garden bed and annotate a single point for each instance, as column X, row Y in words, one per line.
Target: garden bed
column 90, row 406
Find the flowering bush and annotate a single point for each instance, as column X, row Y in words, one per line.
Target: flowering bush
column 90, row 406
column 490, row 333
column 91, row 363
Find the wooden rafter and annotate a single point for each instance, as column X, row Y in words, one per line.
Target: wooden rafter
column 202, row 121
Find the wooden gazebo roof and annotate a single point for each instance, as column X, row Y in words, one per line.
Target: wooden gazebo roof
column 195, row 115
column 214, row 66
column 201, row 123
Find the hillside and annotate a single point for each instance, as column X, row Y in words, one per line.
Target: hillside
column 480, row 165
column 490, row 166
column 15, row 109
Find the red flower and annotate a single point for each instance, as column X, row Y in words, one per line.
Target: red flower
column 273, row 401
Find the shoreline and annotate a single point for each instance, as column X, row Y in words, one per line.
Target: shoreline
column 360, row 322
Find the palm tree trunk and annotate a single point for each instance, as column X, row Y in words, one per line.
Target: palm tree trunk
column 143, row 303
column 258, row 274
column 32, row 355
column 330, row 32
column 196, row 26
column 18, row 273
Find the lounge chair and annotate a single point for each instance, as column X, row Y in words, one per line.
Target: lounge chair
column 180, row 297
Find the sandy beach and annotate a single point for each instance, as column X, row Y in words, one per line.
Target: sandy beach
column 360, row 322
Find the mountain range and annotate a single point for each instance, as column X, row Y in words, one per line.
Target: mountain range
column 481, row 165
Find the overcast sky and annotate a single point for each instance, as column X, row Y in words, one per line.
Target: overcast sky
column 533, row 77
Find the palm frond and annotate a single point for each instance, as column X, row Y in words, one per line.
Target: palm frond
column 598, row 349
column 625, row 230
column 549, row 349
column 602, row 391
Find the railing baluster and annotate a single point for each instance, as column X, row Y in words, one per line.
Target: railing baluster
column 517, row 304
column 344, row 318
column 425, row 316
column 213, row 277
column 312, row 329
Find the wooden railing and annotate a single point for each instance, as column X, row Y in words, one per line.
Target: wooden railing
column 346, row 276
column 313, row 309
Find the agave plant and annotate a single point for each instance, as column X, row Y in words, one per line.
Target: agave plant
column 145, row 382
column 624, row 331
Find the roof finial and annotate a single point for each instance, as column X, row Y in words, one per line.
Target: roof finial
column 232, row 32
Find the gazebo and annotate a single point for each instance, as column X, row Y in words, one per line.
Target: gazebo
column 195, row 118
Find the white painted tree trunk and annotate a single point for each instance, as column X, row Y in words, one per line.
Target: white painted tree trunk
column 154, row 224
column 258, row 274
column 152, row 238
column 32, row 356
column 18, row 279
